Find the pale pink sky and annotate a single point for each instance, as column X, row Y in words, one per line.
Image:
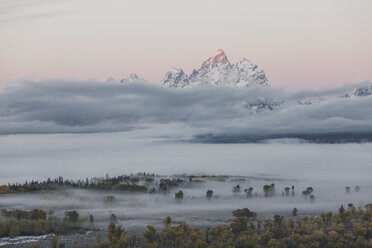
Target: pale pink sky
column 300, row 44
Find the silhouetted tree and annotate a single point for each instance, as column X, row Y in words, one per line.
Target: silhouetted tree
column 357, row 188
column 294, row 212
column 179, row 195
column 342, row 209
column 209, row 194
column 347, row 189
column 113, row 218
column 73, row 216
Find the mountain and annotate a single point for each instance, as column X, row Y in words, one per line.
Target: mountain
column 175, row 78
column 363, row 91
column 130, row 79
column 259, row 104
column 217, row 71
column 360, row 91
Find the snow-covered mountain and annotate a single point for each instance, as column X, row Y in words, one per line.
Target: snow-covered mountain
column 259, row 104
column 175, row 78
column 130, row 79
column 215, row 71
column 363, row 91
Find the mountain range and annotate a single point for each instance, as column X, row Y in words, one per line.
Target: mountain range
column 215, row 71
column 218, row 71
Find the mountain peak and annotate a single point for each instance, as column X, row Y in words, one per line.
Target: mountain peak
column 175, row 78
column 220, row 52
column 133, row 76
column 176, row 69
column 219, row 58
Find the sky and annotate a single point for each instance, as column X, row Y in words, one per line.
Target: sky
column 299, row 44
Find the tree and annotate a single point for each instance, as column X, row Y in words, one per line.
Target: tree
column 244, row 212
column 236, row 189
column 294, row 212
column 240, row 224
column 150, row 236
column 113, row 218
column 357, row 189
column 310, row 189
column 286, row 189
column 209, row 194
column 91, row 220
column 14, row 231
column 117, row 237
column 179, row 195
column 113, row 234
column 267, row 190
column 249, row 191
column 342, row 209
column 73, row 216
column 347, row 189
column 167, row 221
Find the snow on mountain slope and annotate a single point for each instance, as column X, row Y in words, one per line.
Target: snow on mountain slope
column 363, row 91
column 175, row 78
column 130, row 79
column 217, row 71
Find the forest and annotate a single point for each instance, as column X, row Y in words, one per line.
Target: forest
column 113, row 204
column 348, row 228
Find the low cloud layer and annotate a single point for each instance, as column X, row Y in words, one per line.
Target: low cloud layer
column 202, row 114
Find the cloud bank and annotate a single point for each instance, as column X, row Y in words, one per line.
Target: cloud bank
column 211, row 114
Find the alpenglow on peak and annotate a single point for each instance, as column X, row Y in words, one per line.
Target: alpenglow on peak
column 217, row 71
column 219, row 58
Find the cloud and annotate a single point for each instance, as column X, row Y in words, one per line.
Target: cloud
column 209, row 114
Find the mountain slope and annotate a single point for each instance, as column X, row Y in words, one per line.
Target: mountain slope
column 175, row 78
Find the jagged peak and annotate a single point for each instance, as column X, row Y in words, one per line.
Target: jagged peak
column 220, row 52
column 246, row 63
column 133, row 75
column 110, row 79
column 218, row 59
column 363, row 91
column 175, row 78
column 176, row 69
column 244, row 60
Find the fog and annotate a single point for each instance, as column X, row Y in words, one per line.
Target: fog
column 212, row 115
column 328, row 168
column 81, row 130
column 77, row 156
column 135, row 211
